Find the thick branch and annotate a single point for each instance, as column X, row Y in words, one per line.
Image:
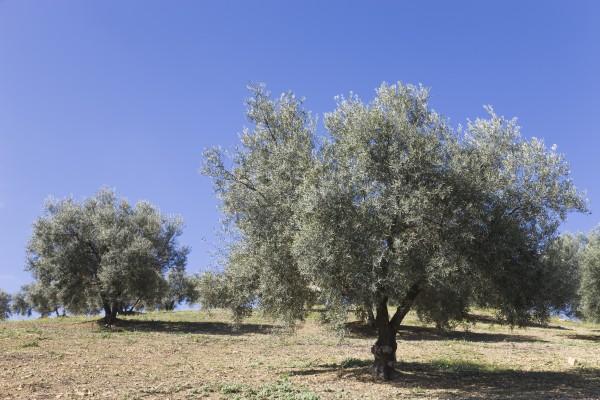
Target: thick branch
column 405, row 306
column 382, row 318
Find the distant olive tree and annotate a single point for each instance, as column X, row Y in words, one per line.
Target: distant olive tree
column 178, row 288
column 5, row 309
column 562, row 283
column 103, row 252
column 590, row 278
column 214, row 291
column 392, row 207
column 41, row 298
column 20, row 303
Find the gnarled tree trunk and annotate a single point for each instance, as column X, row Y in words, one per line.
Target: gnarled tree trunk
column 384, row 349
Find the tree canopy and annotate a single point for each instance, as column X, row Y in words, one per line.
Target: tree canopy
column 391, row 206
column 260, row 196
column 104, row 253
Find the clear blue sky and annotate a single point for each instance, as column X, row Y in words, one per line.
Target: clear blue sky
column 128, row 93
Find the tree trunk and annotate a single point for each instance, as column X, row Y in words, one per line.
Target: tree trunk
column 384, row 349
column 110, row 314
column 168, row 305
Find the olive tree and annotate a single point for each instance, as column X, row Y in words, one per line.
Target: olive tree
column 38, row 297
column 393, row 208
column 178, row 288
column 20, row 303
column 590, row 277
column 103, row 252
column 562, row 283
column 5, row 309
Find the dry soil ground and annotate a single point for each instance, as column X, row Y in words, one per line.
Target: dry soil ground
column 189, row 355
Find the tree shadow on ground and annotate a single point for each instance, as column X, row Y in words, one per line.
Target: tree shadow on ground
column 414, row 333
column 474, row 381
column 487, row 319
column 203, row 327
column 593, row 338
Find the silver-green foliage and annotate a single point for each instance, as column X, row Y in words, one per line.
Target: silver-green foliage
column 5, row 309
column 179, row 288
column 39, row 297
column 21, row 303
column 259, row 196
column 562, row 262
column 104, row 252
column 392, row 206
column 590, row 278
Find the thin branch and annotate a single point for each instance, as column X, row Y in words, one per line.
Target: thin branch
column 268, row 126
column 133, row 306
column 249, row 186
column 514, row 210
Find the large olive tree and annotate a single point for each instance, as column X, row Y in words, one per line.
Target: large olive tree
column 392, row 208
column 104, row 253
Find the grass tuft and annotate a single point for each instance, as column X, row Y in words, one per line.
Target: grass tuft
column 352, row 362
column 230, row 388
column 282, row 389
column 33, row 343
column 459, row 366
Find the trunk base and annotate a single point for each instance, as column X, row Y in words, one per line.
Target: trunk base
column 110, row 315
column 385, row 361
column 109, row 320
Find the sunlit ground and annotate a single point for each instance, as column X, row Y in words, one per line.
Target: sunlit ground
column 192, row 354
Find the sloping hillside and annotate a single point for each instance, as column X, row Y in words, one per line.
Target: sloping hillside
column 189, row 355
